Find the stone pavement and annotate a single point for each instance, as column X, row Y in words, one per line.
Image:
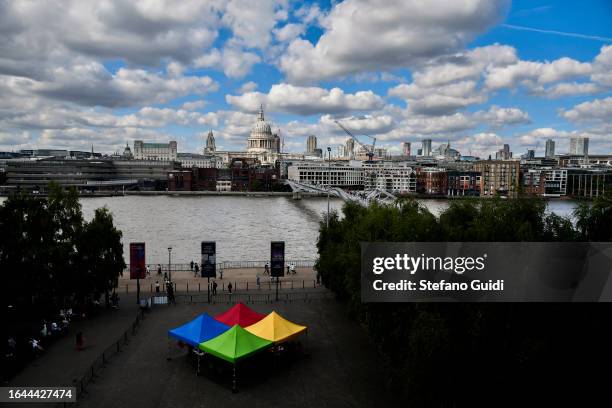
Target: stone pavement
column 61, row 363
column 340, row 370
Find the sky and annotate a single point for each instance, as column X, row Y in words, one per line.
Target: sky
column 477, row 73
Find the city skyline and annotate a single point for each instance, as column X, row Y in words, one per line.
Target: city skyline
column 477, row 73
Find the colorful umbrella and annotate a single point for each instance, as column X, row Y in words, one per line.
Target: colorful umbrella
column 276, row 328
column 200, row 329
column 241, row 315
column 235, row 344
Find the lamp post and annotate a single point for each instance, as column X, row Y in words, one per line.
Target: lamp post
column 169, row 263
column 329, row 181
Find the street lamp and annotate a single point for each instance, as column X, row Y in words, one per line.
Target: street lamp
column 169, row 263
column 329, row 181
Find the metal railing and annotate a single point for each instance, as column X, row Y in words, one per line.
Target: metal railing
column 223, row 286
column 100, row 361
column 186, row 267
column 229, row 298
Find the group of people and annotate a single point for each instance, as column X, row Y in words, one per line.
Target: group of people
column 195, row 268
column 290, row 269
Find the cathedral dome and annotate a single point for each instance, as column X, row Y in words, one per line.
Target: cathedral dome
column 261, row 139
column 261, row 128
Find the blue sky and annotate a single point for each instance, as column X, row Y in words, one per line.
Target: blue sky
column 479, row 73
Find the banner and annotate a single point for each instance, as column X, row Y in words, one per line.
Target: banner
column 209, row 259
column 277, row 258
column 486, row 271
column 138, row 266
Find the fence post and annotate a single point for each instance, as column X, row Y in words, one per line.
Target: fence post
column 302, row 283
column 187, row 287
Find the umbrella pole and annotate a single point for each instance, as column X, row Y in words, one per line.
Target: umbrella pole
column 168, row 358
column 234, row 382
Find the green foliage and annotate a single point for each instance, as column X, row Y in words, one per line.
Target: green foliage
column 429, row 347
column 594, row 220
column 50, row 257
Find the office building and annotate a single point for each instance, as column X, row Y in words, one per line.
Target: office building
column 579, row 146
column 550, row 149
column 155, row 151
column 498, row 177
column 406, row 149
column 426, row 147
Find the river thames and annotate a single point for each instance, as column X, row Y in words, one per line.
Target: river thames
column 242, row 226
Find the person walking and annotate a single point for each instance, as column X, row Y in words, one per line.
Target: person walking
column 157, row 286
column 214, row 288
column 267, row 269
column 197, row 270
column 258, row 282
column 191, row 265
column 158, row 269
column 229, row 287
column 80, row 341
column 148, row 271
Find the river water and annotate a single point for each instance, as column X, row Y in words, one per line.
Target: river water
column 242, row 226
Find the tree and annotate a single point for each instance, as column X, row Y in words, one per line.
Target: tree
column 101, row 255
column 425, row 348
column 50, row 258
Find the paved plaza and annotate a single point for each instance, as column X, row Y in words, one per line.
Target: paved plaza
column 338, row 371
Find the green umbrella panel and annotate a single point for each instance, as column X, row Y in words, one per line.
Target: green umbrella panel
column 235, row 344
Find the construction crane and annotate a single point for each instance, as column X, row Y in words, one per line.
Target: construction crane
column 369, row 151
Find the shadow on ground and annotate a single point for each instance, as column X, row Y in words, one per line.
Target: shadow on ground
column 339, row 370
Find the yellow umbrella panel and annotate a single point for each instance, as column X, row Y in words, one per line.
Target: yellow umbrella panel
column 275, row 328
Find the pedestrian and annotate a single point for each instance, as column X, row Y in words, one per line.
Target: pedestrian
column 258, row 283
column 266, row 269
column 148, row 271
column 229, row 287
column 191, row 264
column 221, row 273
column 288, row 271
column 158, row 269
column 197, row 270
column 214, row 287
column 165, row 276
column 157, row 286
column 80, row 341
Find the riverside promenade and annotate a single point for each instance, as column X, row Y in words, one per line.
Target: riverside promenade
column 242, row 279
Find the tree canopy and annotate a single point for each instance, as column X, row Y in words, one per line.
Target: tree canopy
column 50, row 257
column 426, row 348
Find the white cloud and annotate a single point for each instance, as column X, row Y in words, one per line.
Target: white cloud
column 532, row 73
column 14, row 139
column 91, row 84
column 289, row 32
column 596, row 110
column 498, row 117
column 234, row 62
column 249, row 86
column 306, row 100
column 193, row 105
column 252, row 23
column 442, row 99
column 602, row 67
column 571, row 88
column 370, row 35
